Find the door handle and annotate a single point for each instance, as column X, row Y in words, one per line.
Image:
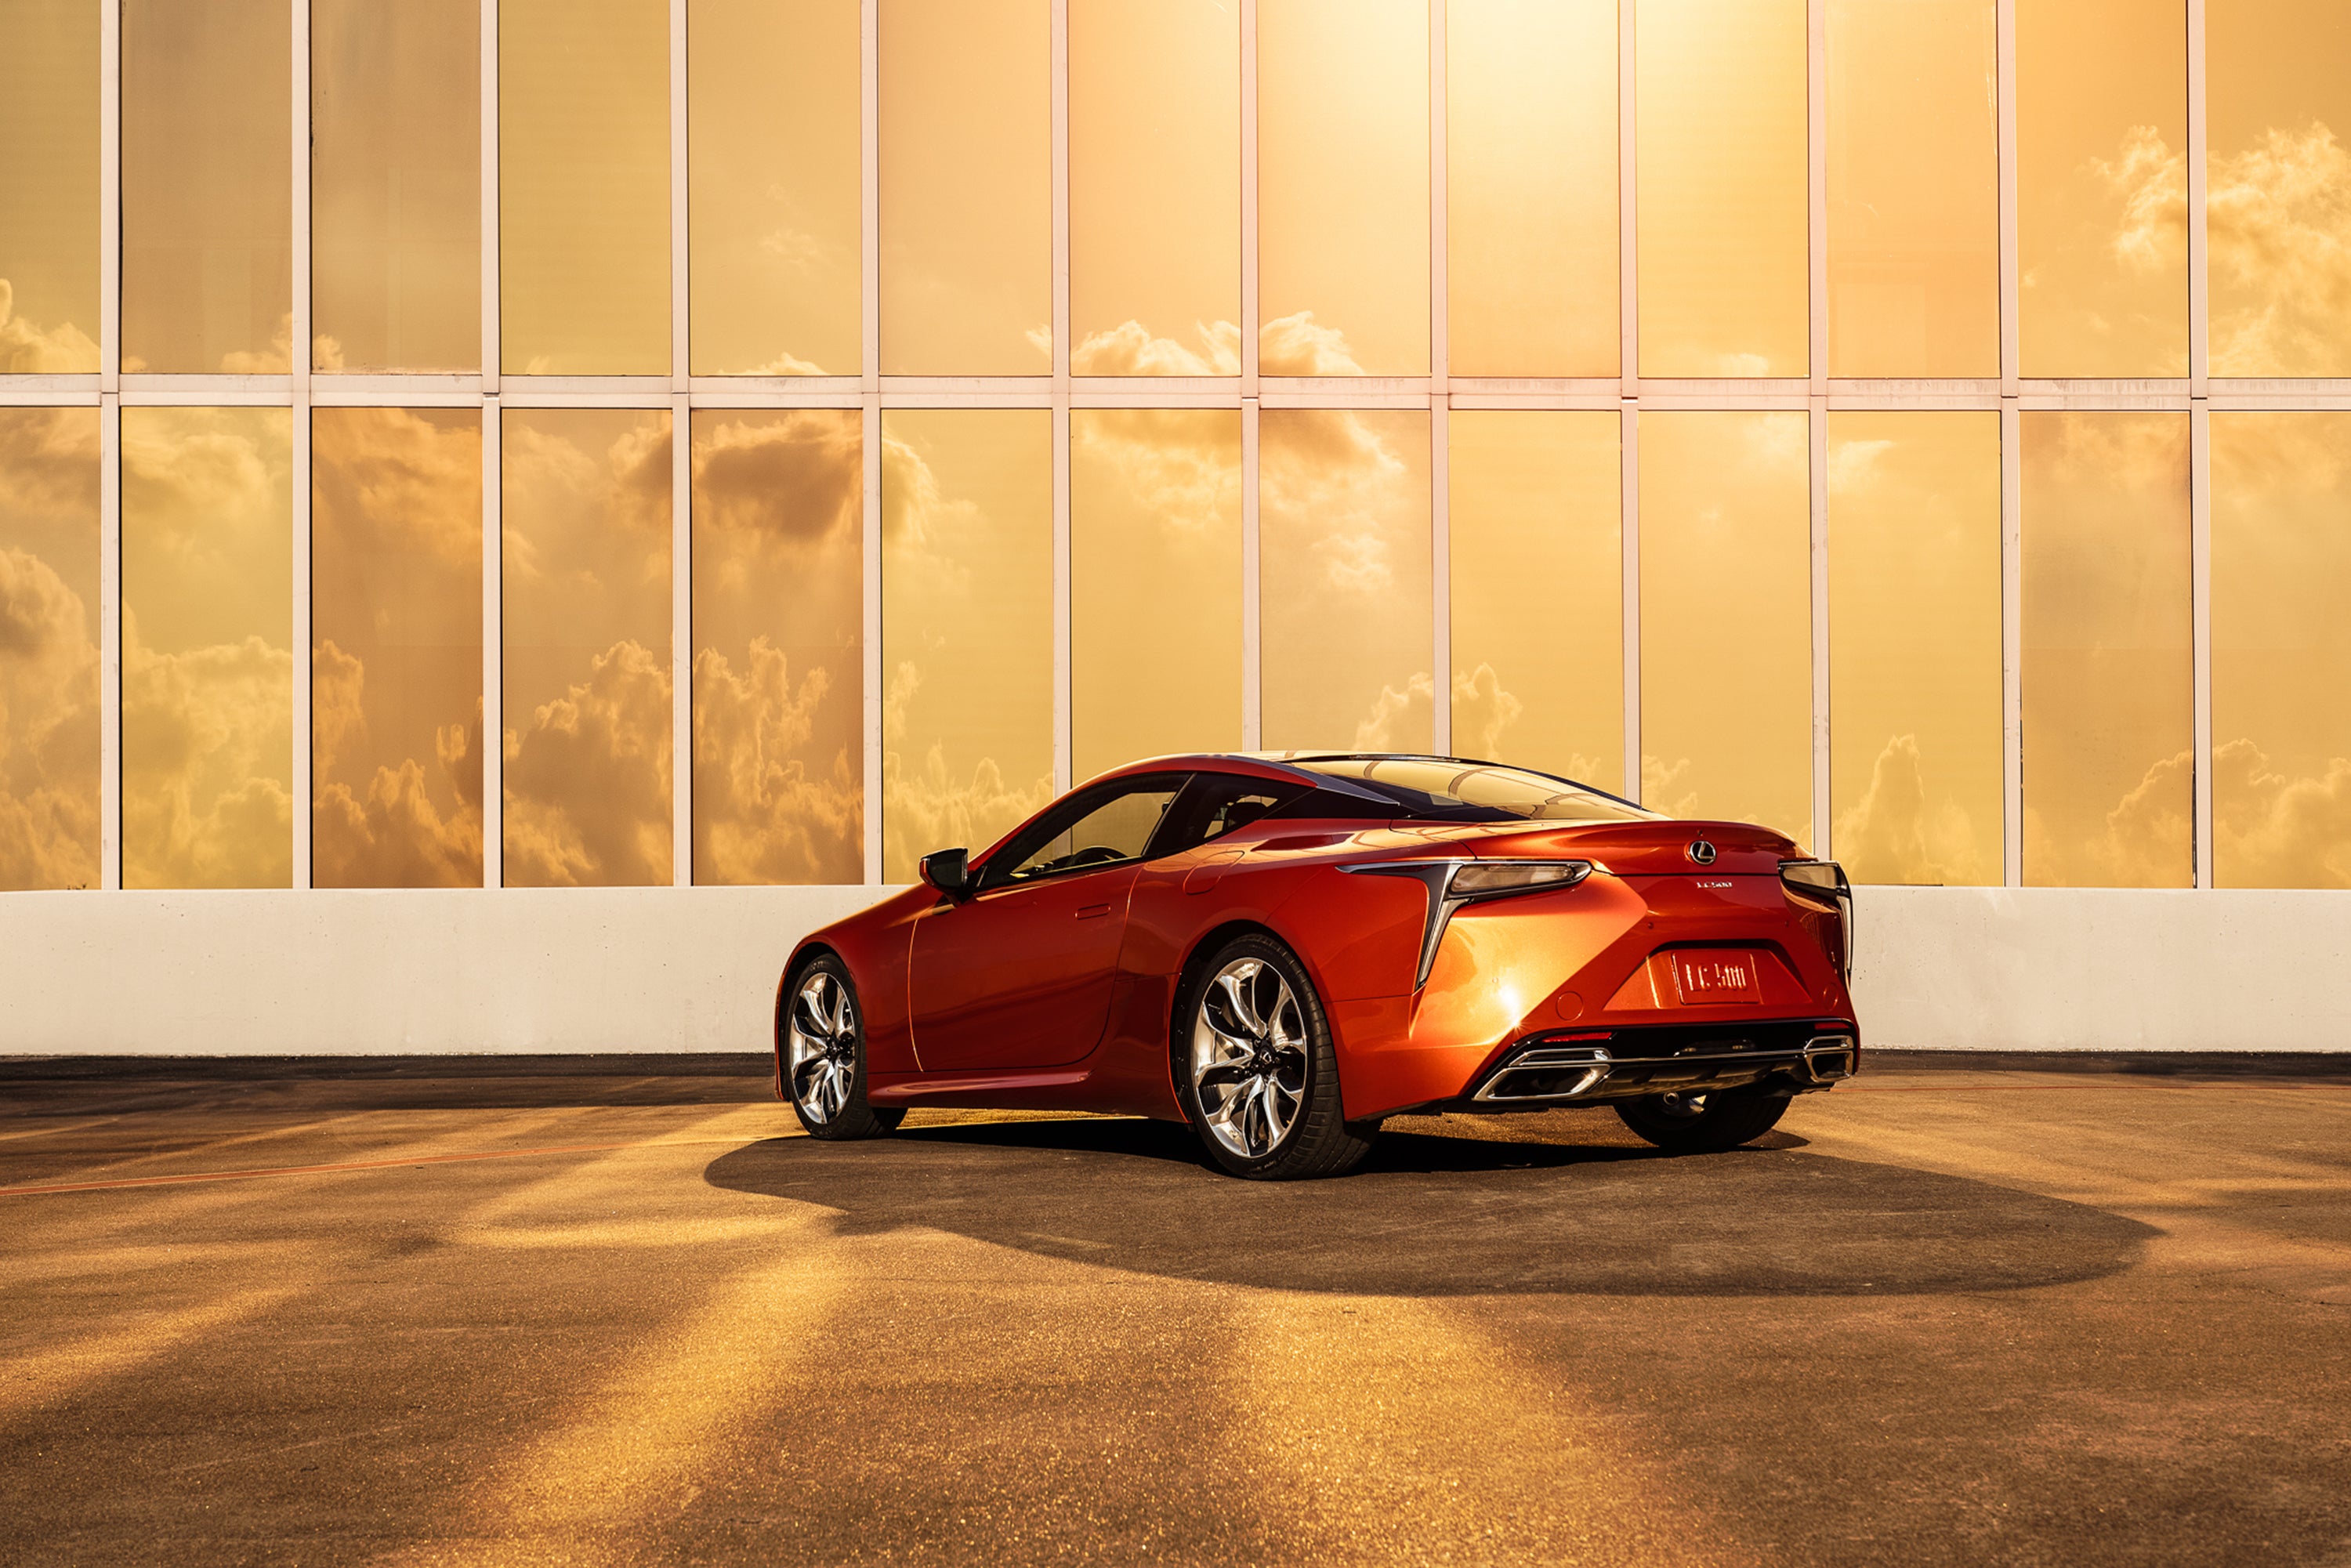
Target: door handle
column 1091, row 911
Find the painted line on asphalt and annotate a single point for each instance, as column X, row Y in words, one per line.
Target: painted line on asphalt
column 363, row 1166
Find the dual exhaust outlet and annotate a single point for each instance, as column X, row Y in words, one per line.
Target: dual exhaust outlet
column 1544, row 1074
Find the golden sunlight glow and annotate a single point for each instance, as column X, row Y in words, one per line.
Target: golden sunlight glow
column 49, row 202
column 2278, row 192
column 1914, row 189
column 583, row 187
column 1539, row 591
column 2102, row 187
column 585, row 508
column 1154, row 188
column 1343, row 546
column 207, row 187
column 396, row 185
column 967, row 188
column 396, row 647
column 1913, row 646
column 1156, row 583
column 49, row 648
column 1723, row 232
column 207, row 647
column 1343, row 187
column 1531, row 188
column 772, row 144
column 779, row 646
column 2108, row 701
column 1726, row 623
column 2281, row 650
column 966, row 628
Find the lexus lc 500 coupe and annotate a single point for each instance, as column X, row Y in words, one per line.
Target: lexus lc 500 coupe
column 1282, row 949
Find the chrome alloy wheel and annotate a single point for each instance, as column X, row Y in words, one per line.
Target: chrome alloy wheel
column 823, row 1063
column 1249, row 1058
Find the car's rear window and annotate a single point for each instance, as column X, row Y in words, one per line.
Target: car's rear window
column 1432, row 787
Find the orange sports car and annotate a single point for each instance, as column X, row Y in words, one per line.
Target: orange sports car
column 1283, row 950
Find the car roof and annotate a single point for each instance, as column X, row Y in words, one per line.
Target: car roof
column 1286, row 765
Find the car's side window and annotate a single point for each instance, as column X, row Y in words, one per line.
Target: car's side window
column 1220, row 803
column 1106, row 831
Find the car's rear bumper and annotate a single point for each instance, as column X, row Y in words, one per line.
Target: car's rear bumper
column 1583, row 1067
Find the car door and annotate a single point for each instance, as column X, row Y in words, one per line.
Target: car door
column 1020, row 975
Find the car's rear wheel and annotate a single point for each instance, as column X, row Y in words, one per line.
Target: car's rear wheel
column 824, row 1056
column 1683, row 1124
column 1257, row 1069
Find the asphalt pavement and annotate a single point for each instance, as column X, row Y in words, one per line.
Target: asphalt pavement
column 605, row 1311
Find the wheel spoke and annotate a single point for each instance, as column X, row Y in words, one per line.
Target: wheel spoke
column 1235, row 983
column 809, row 1018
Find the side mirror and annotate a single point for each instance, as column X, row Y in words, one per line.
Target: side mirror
column 949, row 871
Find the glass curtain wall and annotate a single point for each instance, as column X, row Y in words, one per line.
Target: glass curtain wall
column 935, row 402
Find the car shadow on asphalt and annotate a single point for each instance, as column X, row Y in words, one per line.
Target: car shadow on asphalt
column 1437, row 1213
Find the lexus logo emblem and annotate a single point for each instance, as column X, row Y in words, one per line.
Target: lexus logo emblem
column 1702, row 852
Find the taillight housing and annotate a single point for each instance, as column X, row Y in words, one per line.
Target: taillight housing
column 1820, row 887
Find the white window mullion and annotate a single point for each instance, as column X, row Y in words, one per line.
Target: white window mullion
column 681, row 560
column 1440, row 510
column 869, row 64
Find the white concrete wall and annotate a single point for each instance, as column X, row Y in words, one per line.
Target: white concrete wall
column 677, row 969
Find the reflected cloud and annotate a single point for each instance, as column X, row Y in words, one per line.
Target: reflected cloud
column 208, row 738
column 49, row 648
column 780, row 773
column 1894, row 833
column 2279, row 215
column 2145, row 841
column 28, row 349
column 1298, row 345
column 588, row 778
column 1129, row 349
column 2272, row 829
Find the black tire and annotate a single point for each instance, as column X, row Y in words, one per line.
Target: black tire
column 1255, row 1059
column 820, row 1036
column 1702, row 1124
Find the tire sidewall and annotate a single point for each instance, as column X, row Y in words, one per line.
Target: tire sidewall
column 1322, row 1066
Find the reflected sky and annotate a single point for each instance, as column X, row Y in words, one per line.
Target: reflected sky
column 48, row 653
column 396, row 647
column 779, row 647
column 585, row 508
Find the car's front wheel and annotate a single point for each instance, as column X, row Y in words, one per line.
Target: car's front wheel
column 824, row 1056
column 1257, row 1070
column 1702, row 1124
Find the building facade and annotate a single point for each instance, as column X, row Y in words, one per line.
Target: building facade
column 714, row 451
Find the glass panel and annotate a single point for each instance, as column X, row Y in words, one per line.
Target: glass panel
column 49, row 653
column 2281, row 650
column 2279, row 184
column 1723, row 230
column 1118, row 830
column 1726, row 623
column 2102, row 187
column 1538, row 581
column 1914, row 189
column 1154, row 188
column 396, row 647
column 779, row 646
column 967, row 188
column 1344, row 547
column 586, row 515
column 2109, row 723
column 1343, row 187
column 48, row 203
column 1531, row 188
column 207, row 647
column 966, row 628
column 396, row 185
column 583, row 187
column 1913, row 646
column 773, row 137
column 1156, row 583
column 207, row 186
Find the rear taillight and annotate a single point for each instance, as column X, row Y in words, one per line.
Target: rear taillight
column 1820, row 886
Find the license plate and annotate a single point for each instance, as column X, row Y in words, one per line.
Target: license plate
column 1707, row 977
